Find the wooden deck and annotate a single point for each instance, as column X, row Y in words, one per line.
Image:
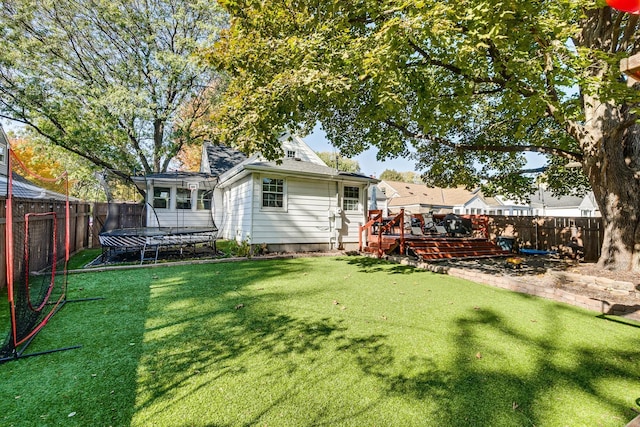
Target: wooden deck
column 388, row 236
column 434, row 248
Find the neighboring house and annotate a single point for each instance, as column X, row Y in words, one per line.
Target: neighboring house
column 295, row 204
column 4, row 153
column 544, row 203
column 419, row 198
column 501, row 205
column 21, row 187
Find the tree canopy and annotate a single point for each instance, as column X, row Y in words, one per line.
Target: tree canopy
column 472, row 86
column 335, row 160
column 394, row 175
column 117, row 82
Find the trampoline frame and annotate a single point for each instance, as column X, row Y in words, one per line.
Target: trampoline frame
column 145, row 239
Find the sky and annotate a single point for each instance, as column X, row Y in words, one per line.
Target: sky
column 369, row 165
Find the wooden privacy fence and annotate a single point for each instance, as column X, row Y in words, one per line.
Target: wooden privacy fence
column 123, row 215
column 79, row 212
column 87, row 220
column 550, row 233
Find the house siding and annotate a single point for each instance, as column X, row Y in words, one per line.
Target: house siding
column 305, row 219
column 310, row 215
column 4, row 153
column 172, row 217
column 237, row 201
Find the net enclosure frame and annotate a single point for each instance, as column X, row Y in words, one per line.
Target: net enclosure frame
column 170, row 226
column 36, row 271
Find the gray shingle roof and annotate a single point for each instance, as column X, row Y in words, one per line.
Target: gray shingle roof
column 222, row 158
column 296, row 166
column 546, row 198
column 25, row 189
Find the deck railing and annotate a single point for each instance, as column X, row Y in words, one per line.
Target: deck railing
column 382, row 226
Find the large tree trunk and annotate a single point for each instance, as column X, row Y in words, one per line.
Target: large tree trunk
column 612, row 160
column 610, row 143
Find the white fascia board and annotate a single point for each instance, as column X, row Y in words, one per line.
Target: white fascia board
column 321, row 177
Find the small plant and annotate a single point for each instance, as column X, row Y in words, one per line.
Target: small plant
column 261, row 249
column 239, row 249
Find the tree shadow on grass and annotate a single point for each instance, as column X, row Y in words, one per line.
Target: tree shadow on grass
column 477, row 391
column 215, row 322
column 212, row 326
column 374, row 265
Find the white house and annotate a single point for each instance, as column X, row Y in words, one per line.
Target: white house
column 295, row 204
column 544, row 203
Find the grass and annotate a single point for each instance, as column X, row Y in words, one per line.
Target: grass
column 319, row 341
column 82, row 258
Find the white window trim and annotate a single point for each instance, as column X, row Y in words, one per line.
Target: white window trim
column 170, row 201
column 360, row 193
column 188, row 190
column 285, row 197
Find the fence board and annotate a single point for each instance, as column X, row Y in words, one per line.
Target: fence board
column 551, row 233
column 124, row 215
column 79, row 215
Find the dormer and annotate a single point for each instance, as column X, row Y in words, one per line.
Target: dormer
column 294, row 148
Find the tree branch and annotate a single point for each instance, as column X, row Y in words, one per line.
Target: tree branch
column 493, row 148
column 522, row 148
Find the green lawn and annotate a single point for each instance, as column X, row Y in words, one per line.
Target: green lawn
column 319, row 341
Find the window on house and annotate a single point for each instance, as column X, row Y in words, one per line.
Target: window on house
column 183, row 198
column 272, row 193
column 351, row 198
column 2, row 156
column 291, row 154
column 161, row 197
column 204, row 199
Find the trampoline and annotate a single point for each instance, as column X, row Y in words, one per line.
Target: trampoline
column 153, row 239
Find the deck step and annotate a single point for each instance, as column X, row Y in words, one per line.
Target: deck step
column 434, row 248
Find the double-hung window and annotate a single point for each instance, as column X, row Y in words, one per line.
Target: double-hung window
column 161, row 197
column 273, row 193
column 204, row 199
column 351, row 198
column 183, row 198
